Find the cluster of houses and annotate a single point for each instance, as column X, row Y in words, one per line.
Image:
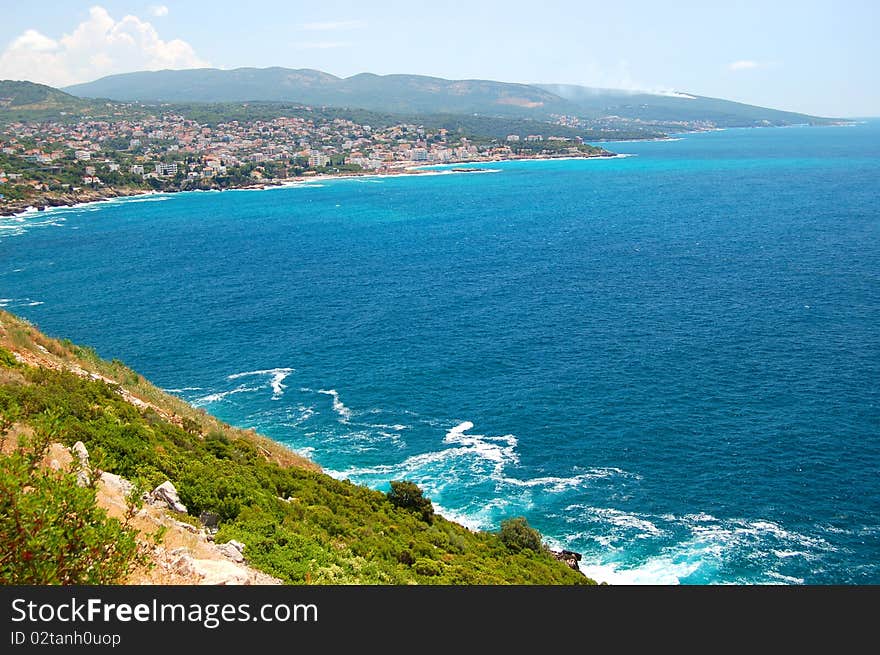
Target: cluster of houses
column 174, row 146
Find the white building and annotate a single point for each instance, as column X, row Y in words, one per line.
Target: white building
column 83, row 155
column 166, row 169
column 137, row 169
column 512, row 138
column 317, row 159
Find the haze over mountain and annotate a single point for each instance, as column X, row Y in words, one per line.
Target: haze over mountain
column 421, row 94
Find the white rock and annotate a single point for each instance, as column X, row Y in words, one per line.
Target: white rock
column 117, row 484
column 181, row 562
column 230, row 551
column 79, row 451
column 219, row 572
column 168, row 494
column 83, row 470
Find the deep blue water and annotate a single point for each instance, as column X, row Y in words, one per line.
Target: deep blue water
column 669, row 362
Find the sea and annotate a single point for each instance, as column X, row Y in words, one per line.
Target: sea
column 667, row 361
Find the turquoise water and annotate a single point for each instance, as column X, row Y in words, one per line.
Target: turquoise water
column 668, row 362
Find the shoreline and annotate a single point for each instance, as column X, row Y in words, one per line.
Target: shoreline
column 17, row 208
column 406, row 169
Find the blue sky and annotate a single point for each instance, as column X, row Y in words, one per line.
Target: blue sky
column 814, row 56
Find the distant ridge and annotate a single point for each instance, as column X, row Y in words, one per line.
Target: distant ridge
column 418, row 94
column 389, row 93
column 673, row 107
column 21, row 95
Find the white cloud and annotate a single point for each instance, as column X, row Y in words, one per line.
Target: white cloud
column 334, row 25
column 98, row 46
column 33, row 40
column 159, row 10
column 743, row 65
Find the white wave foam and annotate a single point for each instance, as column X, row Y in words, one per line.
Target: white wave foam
column 741, row 531
column 20, row 302
column 783, row 554
column 182, row 389
column 481, row 519
column 785, row 579
column 552, row 484
column 660, row 570
column 305, row 413
column 499, row 450
column 215, row 397
column 386, row 426
column 632, row 521
column 278, row 377
column 343, row 411
column 136, row 199
column 470, row 459
column 701, row 553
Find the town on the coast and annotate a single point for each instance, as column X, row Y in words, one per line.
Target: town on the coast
column 61, row 162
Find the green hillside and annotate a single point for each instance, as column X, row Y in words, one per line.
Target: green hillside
column 21, row 100
column 419, row 94
column 297, row 523
column 28, row 95
column 387, row 93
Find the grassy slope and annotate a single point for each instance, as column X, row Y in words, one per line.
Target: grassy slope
column 298, row 523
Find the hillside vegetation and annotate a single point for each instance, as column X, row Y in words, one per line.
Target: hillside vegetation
column 296, row 523
column 419, row 94
column 21, row 100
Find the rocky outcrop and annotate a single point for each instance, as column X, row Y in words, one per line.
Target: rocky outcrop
column 183, row 563
column 117, row 484
column 233, row 550
column 166, row 493
column 210, row 521
column 569, row 558
column 46, row 199
column 81, row 459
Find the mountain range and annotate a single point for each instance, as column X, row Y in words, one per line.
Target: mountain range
column 418, row 94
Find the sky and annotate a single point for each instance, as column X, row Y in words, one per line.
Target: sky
column 815, row 56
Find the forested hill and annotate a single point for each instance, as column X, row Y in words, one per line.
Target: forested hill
column 388, row 93
column 434, row 95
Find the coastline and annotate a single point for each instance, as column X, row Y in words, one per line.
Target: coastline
column 204, row 560
column 18, row 208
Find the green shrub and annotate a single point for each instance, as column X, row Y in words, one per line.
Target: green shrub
column 517, row 535
column 52, row 530
column 428, row 567
column 407, row 495
column 7, row 359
